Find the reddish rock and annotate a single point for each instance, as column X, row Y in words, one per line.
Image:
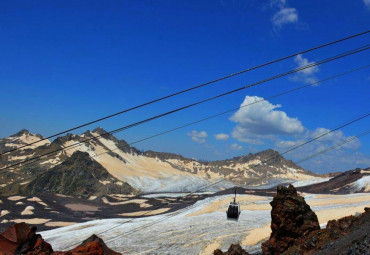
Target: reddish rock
column 291, row 219
column 348, row 235
column 91, row 246
column 235, row 249
column 21, row 239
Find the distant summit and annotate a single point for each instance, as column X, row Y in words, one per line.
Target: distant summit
column 20, row 139
column 99, row 130
column 22, row 132
column 25, row 132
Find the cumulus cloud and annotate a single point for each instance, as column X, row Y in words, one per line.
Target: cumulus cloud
column 285, row 16
column 199, row 137
column 222, row 136
column 262, row 120
column 307, row 75
column 236, row 146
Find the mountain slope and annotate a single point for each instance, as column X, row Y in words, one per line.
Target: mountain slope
column 78, row 176
column 357, row 180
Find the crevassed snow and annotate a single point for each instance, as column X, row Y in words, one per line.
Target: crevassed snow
column 193, row 231
column 180, row 234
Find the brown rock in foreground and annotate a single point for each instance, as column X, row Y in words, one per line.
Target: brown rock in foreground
column 235, row 249
column 20, row 239
column 291, row 219
column 348, row 235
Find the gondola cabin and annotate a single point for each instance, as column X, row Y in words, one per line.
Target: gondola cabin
column 233, row 210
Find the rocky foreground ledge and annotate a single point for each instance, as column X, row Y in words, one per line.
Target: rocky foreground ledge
column 21, row 239
column 296, row 230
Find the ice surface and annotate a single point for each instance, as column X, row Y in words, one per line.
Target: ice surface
column 181, row 233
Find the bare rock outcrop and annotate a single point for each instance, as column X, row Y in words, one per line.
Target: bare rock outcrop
column 291, row 219
column 348, row 235
column 91, row 246
column 235, row 249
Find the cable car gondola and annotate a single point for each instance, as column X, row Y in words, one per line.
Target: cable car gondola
column 233, row 210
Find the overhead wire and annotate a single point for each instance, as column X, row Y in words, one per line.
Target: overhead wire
column 237, row 108
column 363, row 116
column 340, row 144
column 193, row 88
column 231, row 110
column 347, row 53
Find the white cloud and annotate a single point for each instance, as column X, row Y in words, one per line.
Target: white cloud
column 222, row 136
column 278, row 3
column 334, row 138
column 285, row 16
column 367, row 3
column 327, row 139
column 306, row 75
column 199, row 137
column 337, row 160
column 236, row 146
column 340, row 158
column 262, row 120
column 258, row 123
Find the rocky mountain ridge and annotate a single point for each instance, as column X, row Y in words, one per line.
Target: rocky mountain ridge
column 145, row 171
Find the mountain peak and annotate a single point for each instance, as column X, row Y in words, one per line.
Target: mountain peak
column 22, row 132
column 99, row 130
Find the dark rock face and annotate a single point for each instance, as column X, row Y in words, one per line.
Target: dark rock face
column 164, row 155
column 79, row 175
column 348, row 235
column 292, row 218
column 20, row 239
column 235, row 249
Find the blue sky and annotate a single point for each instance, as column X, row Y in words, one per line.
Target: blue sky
column 64, row 63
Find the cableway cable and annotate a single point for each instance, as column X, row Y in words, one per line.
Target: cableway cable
column 193, row 88
column 348, row 53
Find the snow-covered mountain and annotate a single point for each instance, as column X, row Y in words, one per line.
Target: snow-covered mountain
column 145, row 171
